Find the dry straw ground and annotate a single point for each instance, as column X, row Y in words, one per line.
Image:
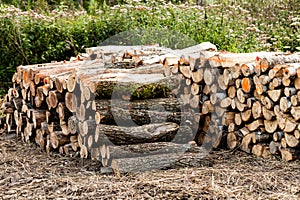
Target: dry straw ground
column 26, row 172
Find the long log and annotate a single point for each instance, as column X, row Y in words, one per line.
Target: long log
column 127, row 86
column 139, row 134
column 143, row 149
column 159, row 162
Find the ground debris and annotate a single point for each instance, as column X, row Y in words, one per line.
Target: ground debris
column 26, row 172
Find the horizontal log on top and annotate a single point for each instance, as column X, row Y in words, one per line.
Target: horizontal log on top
column 226, row 60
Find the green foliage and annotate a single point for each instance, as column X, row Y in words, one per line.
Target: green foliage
column 45, row 30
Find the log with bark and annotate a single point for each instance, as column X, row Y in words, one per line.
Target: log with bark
column 159, row 162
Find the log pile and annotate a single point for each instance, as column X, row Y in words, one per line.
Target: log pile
column 248, row 101
column 131, row 106
column 107, row 105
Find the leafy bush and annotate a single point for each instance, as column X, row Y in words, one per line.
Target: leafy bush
column 42, row 31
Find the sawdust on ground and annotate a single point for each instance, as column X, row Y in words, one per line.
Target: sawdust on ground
column 27, row 172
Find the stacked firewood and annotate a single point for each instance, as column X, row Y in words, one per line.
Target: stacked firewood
column 133, row 106
column 111, row 103
column 248, row 101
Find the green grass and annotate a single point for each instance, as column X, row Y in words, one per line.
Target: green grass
column 34, row 35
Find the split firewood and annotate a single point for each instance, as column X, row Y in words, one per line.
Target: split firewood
column 288, row 154
column 247, row 143
column 291, row 140
column 234, row 139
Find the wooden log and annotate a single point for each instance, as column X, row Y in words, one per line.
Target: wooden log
column 139, row 134
column 286, row 81
column 221, row 82
column 277, row 136
column 231, row 92
column 246, row 115
column 71, row 101
column 63, row 112
column 276, row 83
column 197, row 76
column 145, row 149
column 235, row 71
column 228, row 78
column 290, row 70
column 58, row 139
column 83, row 151
column 260, row 137
column 126, row 86
column 207, row 107
column 267, row 102
column 247, row 143
column 257, row 110
column 64, row 128
column 211, row 75
column 73, row 124
column 214, row 138
column 255, row 125
column 216, row 98
column 185, row 70
column 297, row 83
column 295, row 100
column 264, row 79
column 55, row 97
column 234, row 139
column 134, row 116
column 295, row 111
column 225, row 103
column 194, row 101
column 241, row 96
column 260, row 88
column 195, row 89
column 288, row 154
column 88, row 126
column 188, row 81
column 274, row 147
column 40, row 139
column 228, row 118
column 268, row 114
column 247, row 85
column 290, row 125
column 248, row 69
column 271, row 126
column 289, row 91
column 81, row 112
column 297, row 133
column 238, row 119
column 274, row 94
column 291, row 140
column 38, row 116
column 156, row 162
column 257, row 150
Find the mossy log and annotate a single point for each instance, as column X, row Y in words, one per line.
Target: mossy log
column 128, row 86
